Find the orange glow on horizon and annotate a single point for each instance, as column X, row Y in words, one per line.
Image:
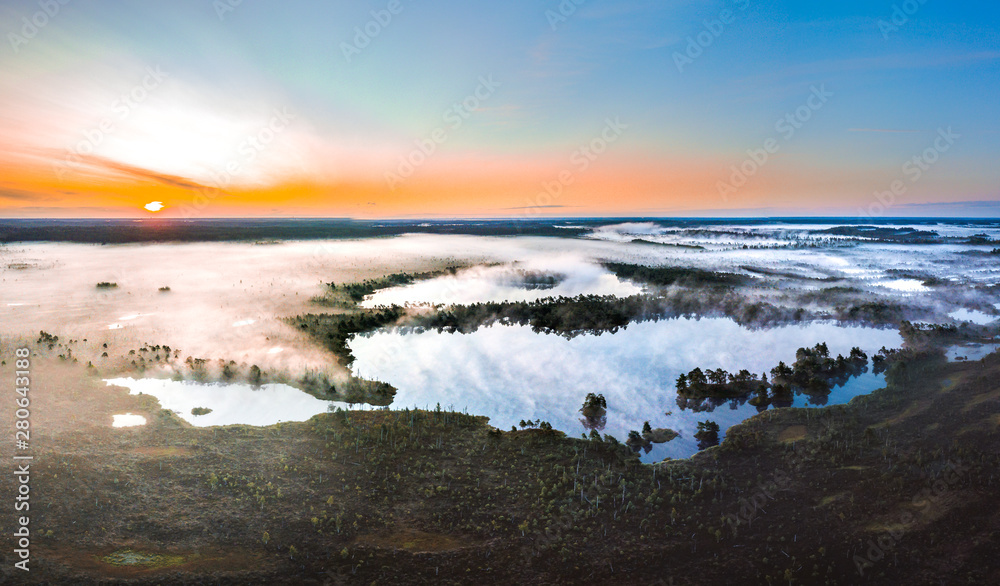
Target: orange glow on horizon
column 617, row 184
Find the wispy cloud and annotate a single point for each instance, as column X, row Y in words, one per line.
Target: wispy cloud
column 890, row 130
column 975, row 205
column 621, row 8
column 538, row 207
column 827, row 67
column 132, row 171
column 21, row 195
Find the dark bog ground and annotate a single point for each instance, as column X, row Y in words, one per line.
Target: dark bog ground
column 897, row 487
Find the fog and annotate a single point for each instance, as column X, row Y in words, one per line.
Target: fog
column 964, row 352
column 798, row 250
column 573, row 275
column 510, row 373
column 227, row 301
column 707, row 233
column 976, row 317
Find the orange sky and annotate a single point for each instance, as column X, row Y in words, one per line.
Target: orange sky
column 487, row 111
column 447, row 186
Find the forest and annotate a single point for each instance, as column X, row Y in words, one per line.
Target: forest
column 673, row 275
column 814, row 373
column 348, row 295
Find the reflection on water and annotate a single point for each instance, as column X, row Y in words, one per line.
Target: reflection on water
column 907, row 285
column 127, row 420
column 972, row 315
column 510, row 373
column 230, row 403
column 963, row 352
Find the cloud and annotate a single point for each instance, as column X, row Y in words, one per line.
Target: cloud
column 538, row 207
column 823, row 68
column 21, row 195
column 892, row 130
column 959, row 208
column 621, row 8
column 54, row 212
column 887, row 62
column 141, row 173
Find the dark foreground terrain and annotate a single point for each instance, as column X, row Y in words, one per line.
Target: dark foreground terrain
column 897, row 487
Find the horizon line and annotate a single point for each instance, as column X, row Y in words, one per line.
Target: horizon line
column 499, row 218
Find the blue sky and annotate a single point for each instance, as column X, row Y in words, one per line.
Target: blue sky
column 896, row 72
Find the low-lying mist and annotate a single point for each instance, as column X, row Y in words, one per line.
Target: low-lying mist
column 230, row 301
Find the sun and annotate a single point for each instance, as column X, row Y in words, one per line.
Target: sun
column 154, row 206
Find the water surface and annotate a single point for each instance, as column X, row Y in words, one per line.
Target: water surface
column 963, row 352
column 510, row 373
column 230, row 403
column 127, row 420
column 972, row 315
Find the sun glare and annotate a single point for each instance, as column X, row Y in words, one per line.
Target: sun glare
column 154, row 206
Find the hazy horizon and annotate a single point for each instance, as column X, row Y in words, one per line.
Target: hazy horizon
column 534, row 218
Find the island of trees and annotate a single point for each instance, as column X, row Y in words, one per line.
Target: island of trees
column 644, row 441
column 813, row 373
column 595, row 412
column 707, row 434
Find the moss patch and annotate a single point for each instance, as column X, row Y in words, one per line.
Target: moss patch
column 832, row 499
column 130, row 557
column 792, row 434
column 414, row 541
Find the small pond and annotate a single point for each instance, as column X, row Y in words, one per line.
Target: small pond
column 127, row 420
column 963, row 352
column 230, row 404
